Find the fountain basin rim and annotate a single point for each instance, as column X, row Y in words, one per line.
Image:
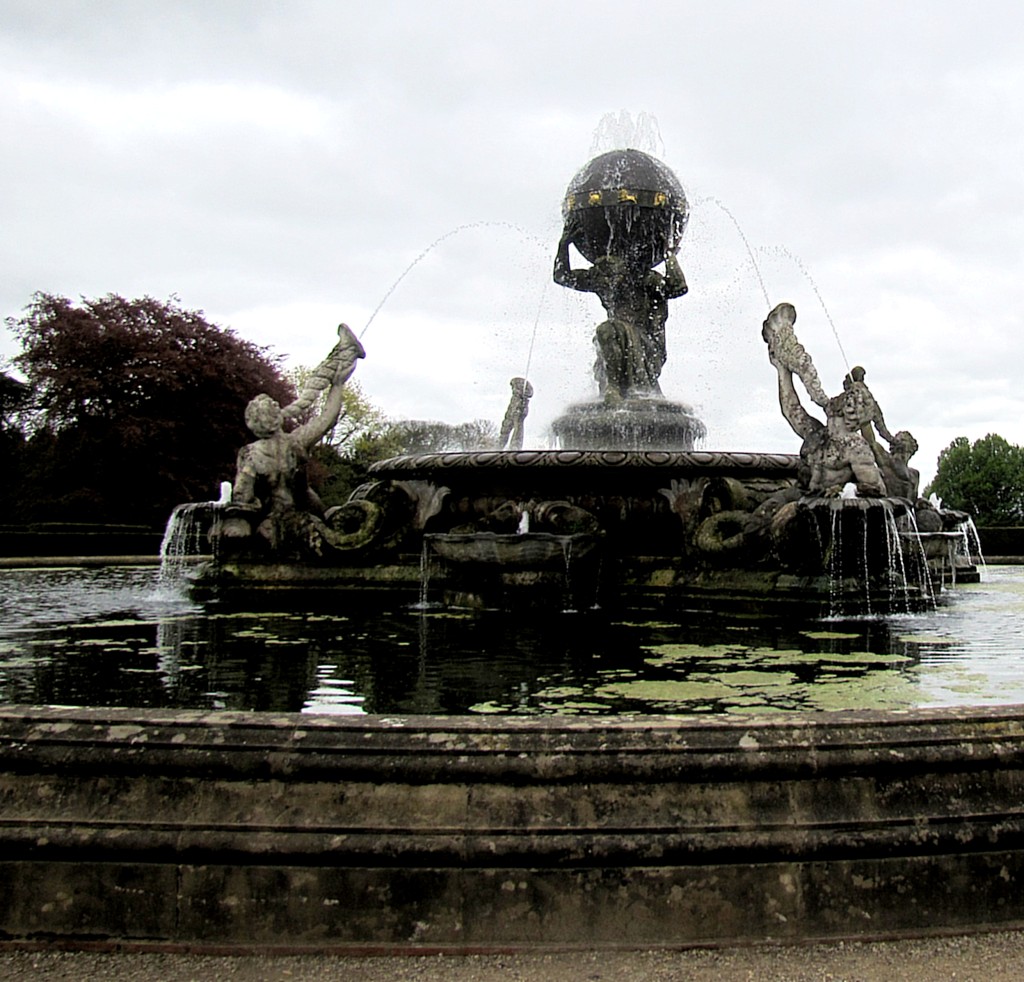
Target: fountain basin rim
column 947, row 536
column 722, row 462
column 592, row 816
column 898, row 505
column 53, row 721
column 545, row 749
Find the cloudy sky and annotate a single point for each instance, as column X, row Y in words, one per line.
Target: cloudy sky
column 287, row 165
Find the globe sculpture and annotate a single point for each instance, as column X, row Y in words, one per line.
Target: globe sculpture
column 626, row 201
column 625, row 212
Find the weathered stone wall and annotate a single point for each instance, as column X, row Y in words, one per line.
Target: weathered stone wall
column 43, row 540
column 245, row 829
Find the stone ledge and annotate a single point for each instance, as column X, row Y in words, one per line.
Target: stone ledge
column 126, row 825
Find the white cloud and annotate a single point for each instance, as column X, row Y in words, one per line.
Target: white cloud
column 183, row 110
column 281, row 166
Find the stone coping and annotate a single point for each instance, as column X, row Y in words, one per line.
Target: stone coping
column 505, row 747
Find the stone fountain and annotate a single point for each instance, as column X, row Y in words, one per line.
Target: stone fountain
column 626, row 513
column 240, row 830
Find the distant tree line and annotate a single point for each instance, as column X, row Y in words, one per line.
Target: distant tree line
column 984, row 478
column 130, row 407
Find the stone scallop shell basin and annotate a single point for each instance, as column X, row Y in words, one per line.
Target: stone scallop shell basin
column 514, row 550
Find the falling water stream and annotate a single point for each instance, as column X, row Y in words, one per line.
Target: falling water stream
column 746, row 244
column 778, row 250
column 783, row 251
column 184, row 539
column 430, row 248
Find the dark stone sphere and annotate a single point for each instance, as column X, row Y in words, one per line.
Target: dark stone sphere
column 625, row 203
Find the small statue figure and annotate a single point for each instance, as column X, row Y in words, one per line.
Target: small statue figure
column 870, row 410
column 847, row 456
column 511, row 435
column 270, row 481
column 785, row 351
column 901, row 480
column 631, row 342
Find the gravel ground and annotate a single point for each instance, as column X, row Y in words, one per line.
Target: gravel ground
column 995, row 957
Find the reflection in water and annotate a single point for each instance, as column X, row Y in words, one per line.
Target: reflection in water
column 109, row 637
column 333, row 695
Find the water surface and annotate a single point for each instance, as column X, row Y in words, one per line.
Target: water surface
column 113, row 637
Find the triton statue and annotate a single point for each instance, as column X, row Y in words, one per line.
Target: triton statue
column 843, row 449
column 271, row 499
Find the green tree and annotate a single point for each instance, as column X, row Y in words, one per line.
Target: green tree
column 14, row 401
column 365, row 435
column 14, row 405
column 138, row 406
column 985, row 478
column 430, row 436
column 359, row 421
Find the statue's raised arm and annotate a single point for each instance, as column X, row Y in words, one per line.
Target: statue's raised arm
column 803, row 424
column 331, row 374
column 563, row 273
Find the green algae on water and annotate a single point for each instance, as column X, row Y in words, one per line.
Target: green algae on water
column 487, row 707
column 749, row 678
column 829, row 635
column 851, row 658
column 665, row 690
column 665, row 654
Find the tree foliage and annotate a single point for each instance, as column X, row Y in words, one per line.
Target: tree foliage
column 14, row 400
column 137, row 405
column 985, row 478
column 430, row 436
column 364, row 434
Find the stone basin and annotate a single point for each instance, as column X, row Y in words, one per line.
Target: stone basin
column 519, row 551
